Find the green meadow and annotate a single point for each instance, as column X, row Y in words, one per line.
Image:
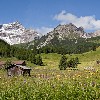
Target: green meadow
column 49, row 83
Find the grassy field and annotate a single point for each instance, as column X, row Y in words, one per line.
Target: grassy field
column 49, row 83
column 51, row 61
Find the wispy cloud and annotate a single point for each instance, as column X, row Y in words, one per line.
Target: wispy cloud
column 87, row 22
column 44, row 30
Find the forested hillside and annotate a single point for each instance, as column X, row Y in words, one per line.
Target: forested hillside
column 20, row 53
column 68, row 46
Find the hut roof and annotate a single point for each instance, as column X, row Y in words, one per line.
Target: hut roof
column 13, row 62
column 24, row 67
column 18, row 62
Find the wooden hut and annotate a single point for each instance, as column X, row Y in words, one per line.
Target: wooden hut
column 13, row 70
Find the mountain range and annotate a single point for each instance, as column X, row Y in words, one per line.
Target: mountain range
column 15, row 33
column 63, row 32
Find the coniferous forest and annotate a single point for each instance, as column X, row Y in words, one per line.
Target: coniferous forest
column 20, row 53
column 67, row 46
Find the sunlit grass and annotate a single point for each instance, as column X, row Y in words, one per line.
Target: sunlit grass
column 49, row 83
column 52, row 85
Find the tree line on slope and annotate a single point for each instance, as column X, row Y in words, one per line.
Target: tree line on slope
column 68, row 46
column 20, row 53
column 65, row 46
column 32, row 55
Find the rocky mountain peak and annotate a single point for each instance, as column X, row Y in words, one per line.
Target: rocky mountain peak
column 13, row 26
column 15, row 33
column 71, row 26
column 68, row 30
column 61, row 32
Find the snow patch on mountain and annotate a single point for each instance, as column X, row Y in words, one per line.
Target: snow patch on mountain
column 15, row 33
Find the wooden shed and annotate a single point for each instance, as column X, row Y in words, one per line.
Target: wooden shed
column 13, row 70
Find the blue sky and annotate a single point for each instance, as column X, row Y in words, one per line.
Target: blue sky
column 44, row 15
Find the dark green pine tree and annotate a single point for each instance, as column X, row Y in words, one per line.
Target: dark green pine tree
column 39, row 60
column 63, row 63
column 73, row 62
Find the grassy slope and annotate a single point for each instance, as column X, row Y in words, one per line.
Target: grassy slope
column 51, row 60
column 49, row 83
column 86, row 59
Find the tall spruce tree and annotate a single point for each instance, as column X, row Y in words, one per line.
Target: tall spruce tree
column 73, row 62
column 63, row 63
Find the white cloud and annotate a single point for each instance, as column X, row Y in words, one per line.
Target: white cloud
column 87, row 22
column 44, row 30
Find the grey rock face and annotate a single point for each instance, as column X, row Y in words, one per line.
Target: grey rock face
column 64, row 31
column 15, row 33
